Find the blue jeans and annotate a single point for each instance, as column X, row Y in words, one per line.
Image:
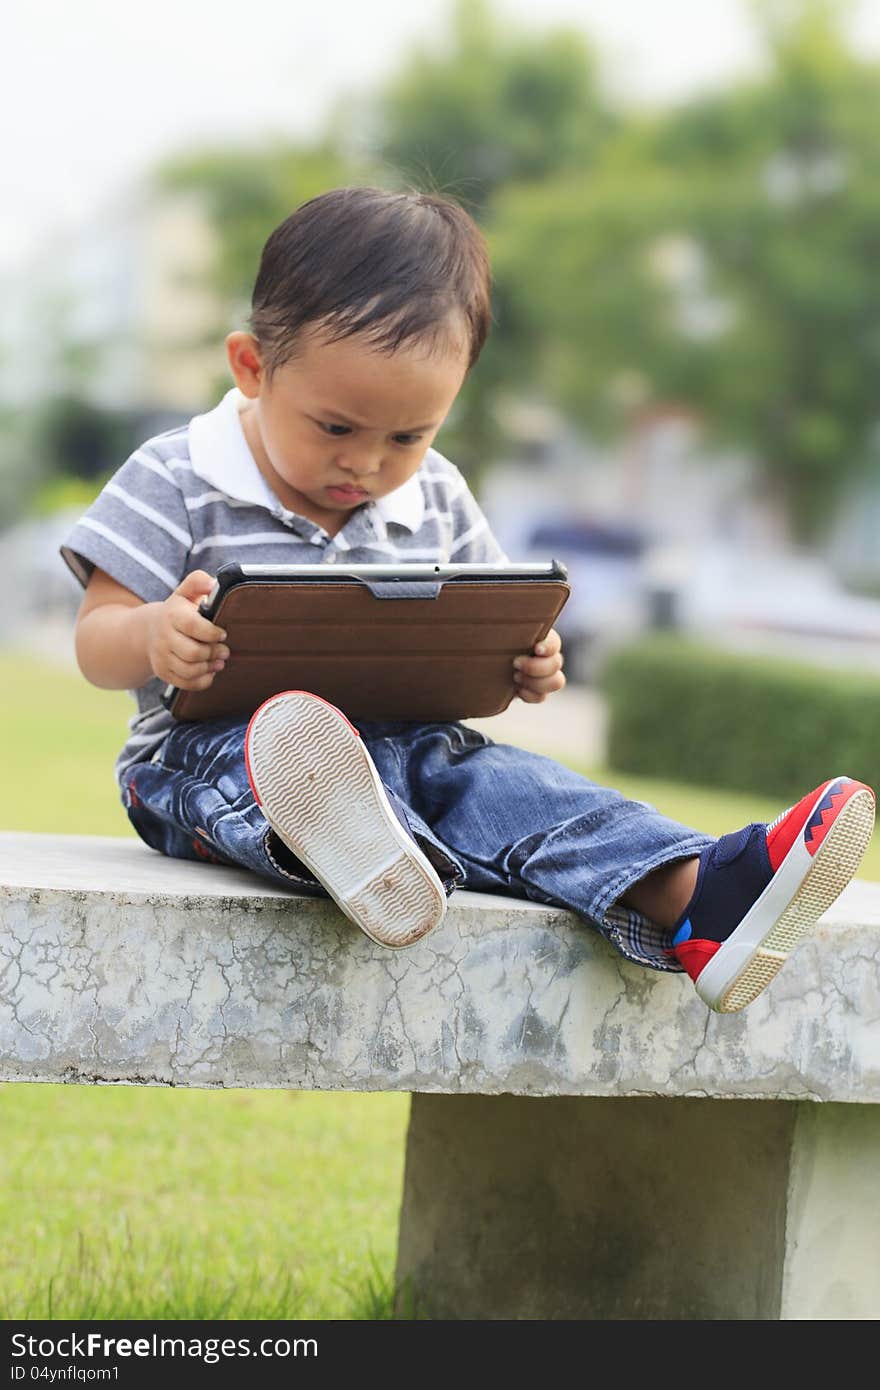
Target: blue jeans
column 490, row 817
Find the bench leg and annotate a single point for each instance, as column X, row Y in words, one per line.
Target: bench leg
column 583, row 1207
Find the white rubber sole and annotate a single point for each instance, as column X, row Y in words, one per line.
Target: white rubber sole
column 320, row 792
column 802, row 889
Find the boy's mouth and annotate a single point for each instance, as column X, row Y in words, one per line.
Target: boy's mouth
column 347, row 492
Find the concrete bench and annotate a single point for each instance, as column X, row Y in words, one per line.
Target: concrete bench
column 586, row 1141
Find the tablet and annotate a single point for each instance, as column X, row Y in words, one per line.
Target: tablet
column 402, row 642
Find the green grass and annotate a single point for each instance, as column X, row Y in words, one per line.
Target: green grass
column 129, row 1202
column 61, row 738
column 141, row 1202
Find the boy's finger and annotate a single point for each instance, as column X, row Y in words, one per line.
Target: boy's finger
column 538, row 665
column 532, row 694
column 549, row 645
column 202, row 682
column 195, row 585
column 186, row 679
column 190, row 652
column 186, row 673
column 541, row 684
column 191, row 622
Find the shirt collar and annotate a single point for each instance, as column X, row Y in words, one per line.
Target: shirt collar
column 220, row 455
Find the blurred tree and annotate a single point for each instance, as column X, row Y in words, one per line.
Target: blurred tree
column 82, row 440
column 724, row 255
column 495, row 107
column 21, row 471
column 56, row 457
column 247, row 193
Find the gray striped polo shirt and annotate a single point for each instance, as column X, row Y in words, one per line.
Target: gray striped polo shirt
column 193, row 498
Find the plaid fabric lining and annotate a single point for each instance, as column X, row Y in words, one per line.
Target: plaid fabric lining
column 639, row 939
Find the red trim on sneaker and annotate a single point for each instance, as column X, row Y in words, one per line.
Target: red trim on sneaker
column 797, row 821
column 783, row 835
column 825, row 816
column 694, row 955
column 277, row 696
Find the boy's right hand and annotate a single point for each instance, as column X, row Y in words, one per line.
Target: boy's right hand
column 185, row 648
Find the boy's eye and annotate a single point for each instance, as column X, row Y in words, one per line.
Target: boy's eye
column 336, row 431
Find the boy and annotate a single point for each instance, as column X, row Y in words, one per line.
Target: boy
column 369, row 309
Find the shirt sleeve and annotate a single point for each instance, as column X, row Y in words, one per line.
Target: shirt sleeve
column 472, row 539
column 137, row 530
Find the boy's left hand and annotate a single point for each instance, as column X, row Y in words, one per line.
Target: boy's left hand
column 540, row 673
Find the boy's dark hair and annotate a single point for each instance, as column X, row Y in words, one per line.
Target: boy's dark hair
column 393, row 266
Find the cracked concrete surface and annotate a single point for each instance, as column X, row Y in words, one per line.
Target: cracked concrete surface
column 117, row 965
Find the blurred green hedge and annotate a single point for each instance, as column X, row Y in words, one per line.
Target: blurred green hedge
column 714, row 717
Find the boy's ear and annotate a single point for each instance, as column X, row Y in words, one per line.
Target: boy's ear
column 245, row 362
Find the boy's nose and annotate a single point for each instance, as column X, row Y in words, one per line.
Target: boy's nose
column 362, row 462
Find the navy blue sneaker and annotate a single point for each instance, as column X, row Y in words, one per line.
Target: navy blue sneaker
column 762, row 889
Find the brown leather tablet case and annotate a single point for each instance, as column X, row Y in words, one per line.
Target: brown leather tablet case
column 376, row 655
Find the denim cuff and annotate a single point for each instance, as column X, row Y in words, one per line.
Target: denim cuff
column 285, row 862
column 446, row 866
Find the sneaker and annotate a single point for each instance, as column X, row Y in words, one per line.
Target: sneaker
column 319, row 790
column 762, row 889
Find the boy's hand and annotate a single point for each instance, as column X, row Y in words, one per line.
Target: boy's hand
column 184, row 648
column 539, row 674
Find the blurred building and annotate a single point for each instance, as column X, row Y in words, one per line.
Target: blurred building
column 658, row 533
column 117, row 312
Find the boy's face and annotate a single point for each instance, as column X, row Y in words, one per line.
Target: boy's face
column 343, row 423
